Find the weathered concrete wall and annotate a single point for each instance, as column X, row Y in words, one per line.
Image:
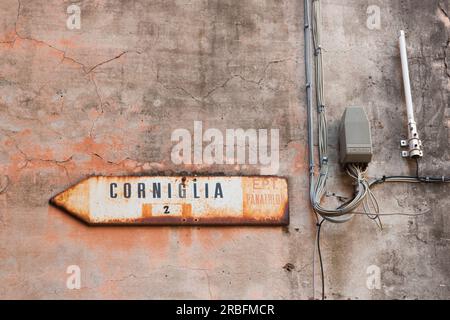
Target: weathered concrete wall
column 104, row 99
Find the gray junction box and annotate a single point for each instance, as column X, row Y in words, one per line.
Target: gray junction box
column 354, row 137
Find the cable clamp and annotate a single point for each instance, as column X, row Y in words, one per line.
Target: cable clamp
column 443, row 178
column 318, row 50
column 427, row 179
column 324, row 160
column 321, row 108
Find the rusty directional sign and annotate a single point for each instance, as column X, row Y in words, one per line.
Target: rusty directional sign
column 162, row 200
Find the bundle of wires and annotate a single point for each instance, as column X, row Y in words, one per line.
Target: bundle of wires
column 355, row 171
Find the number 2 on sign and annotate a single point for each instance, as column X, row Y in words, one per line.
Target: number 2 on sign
column 166, row 210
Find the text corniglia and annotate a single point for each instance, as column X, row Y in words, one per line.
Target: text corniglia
column 158, row 190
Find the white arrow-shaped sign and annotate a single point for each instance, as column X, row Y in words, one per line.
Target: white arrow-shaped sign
column 178, row 200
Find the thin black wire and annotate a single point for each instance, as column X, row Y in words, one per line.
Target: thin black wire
column 376, row 219
column 417, row 168
column 418, row 177
column 319, row 226
column 427, row 178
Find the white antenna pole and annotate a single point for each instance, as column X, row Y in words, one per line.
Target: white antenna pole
column 414, row 143
column 406, row 83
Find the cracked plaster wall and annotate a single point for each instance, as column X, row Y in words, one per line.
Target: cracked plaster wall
column 104, row 100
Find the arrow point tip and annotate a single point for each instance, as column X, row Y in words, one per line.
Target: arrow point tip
column 74, row 200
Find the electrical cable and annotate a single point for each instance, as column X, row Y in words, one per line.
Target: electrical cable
column 394, row 213
column 417, row 167
column 413, row 179
column 319, row 226
column 410, row 179
column 357, row 172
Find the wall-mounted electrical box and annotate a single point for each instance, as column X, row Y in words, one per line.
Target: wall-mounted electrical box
column 354, row 137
